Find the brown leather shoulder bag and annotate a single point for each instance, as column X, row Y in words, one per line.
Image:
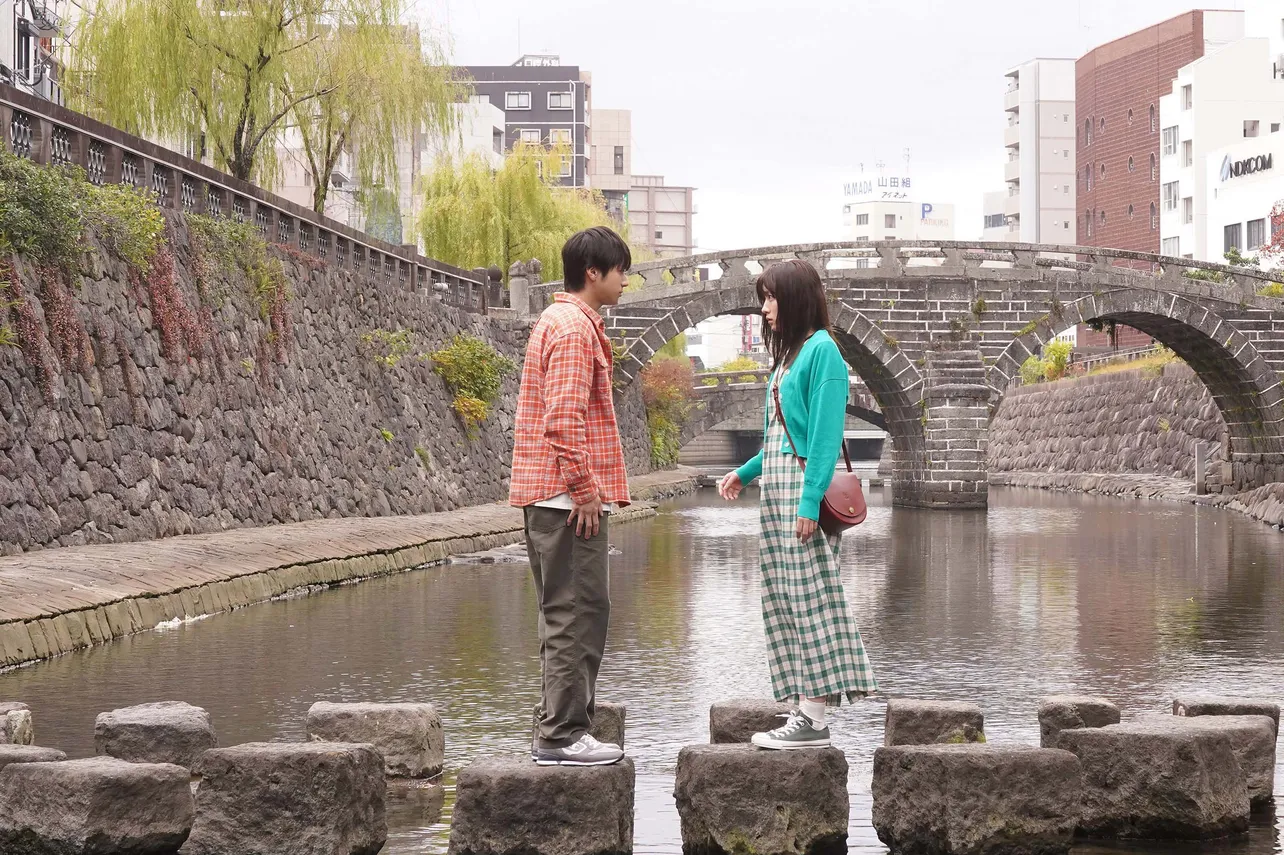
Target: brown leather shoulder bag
column 843, row 505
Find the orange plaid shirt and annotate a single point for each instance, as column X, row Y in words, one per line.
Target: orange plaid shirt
column 565, row 439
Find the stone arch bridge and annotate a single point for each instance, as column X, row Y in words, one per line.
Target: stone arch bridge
column 938, row 332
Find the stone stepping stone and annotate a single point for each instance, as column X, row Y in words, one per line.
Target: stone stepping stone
column 318, row 798
column 1158, row 779
column 511, row 806
column 1192, row 706
column 16, row 726
column 99, row 805
column 166, row 732
column 608, row 723
column 1253, row 739
column 735, row 722
column 10, row 754
column 408, row 736
column 915, row 722
column 1071, row 712
column 738, row 798
column 976, row 799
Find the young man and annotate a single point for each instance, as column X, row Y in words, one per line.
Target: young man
column 568, row 473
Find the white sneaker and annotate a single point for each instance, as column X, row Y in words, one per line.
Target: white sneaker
column 586, row 751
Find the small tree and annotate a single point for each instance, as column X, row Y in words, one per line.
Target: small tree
column 1056, row 359
column 667, row 391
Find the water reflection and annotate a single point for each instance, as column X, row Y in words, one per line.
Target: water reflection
column 1044, row 593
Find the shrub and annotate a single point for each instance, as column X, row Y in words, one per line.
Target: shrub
column 667, row 391
column 387, row 348
column 1031, row 371
column 474, row 372
column 1056, row 358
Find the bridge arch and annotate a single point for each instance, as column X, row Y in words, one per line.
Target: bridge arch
column 1245, row 387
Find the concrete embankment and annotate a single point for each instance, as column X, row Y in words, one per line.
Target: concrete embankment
column 57, row 601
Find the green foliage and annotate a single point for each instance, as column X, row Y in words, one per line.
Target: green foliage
column 386, row 434
column 1053, row 365
column 387, row 348
column 669, row 396
column 740, row 363
column 128, row 222
column 675, row 349
column 473, row 371
column 382, row 215
column 1274, row 289
column 891, row 342
column 979, row 308
column 425, row 458
column 474, row 216
column 8, row 338
column 1031, row 371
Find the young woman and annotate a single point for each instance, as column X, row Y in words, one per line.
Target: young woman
column 815, row 650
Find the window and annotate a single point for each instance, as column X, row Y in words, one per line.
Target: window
column 1170, row 141
column 1065, row 188
column 1275, row 127
column 560, row 101
column 497, row 140
column 619, row 160
column 1188, row 153
column 862, row 264
column 1231, row 237
column 889, row 221
column 1088, row 217
column 1101, row 127
column 1087, row 131
column 889, row 237
column 1103, row 172
column 1256, row 234
column 1130, row 212
column 1171, row 246
column 995, row 221
column 1130, row 115
column 1065, row 155
column 560, row 136
column 1188, row 210
column 531, row 136
column 847, row 209
column 1089, row 176
column 862, row 239
column 1131, row 165
column 1252, row 127
column 24, row 55
column 1152, row 118
column 1154, row 168
column 659, row 235
column 567, row 165
column 1187, row 97
column 1065, row 117
column 1067, row 225
column 862, row 219
column 1170, row 196
column 517, row 100
column 1154, row 217
column 1103, row 217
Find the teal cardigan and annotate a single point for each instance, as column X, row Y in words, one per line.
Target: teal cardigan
column 813, row 394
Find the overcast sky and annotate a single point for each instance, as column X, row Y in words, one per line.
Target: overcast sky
column 767, row 107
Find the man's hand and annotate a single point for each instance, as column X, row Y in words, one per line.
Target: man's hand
column 587, row 519
column 805, row 529
column 729, row 487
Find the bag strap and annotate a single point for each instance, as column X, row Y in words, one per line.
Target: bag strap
column 780, row 414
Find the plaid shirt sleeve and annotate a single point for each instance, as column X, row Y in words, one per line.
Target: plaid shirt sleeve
column 568, row 382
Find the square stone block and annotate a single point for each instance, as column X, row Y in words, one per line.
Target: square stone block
column 409, row 736
column 1158, row 779
column 913, row 722
column 318, row 798
column 1193, row 706
column 511, row 806
column 28, row 754
column 167, row 732
column 976, row 799
column 736, row 721
column 16, row 727
column 1253, row 738
column 99, row 805
column 1071, row 712
column 738, row 798
column 608, row 723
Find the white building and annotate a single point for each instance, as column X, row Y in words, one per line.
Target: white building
column 1039, row 140
column 1245, row 181
column 888, row 207
column 1233, row 94
column 996, row 226
column 716, row 342
column 31, row 32
column 611, row 159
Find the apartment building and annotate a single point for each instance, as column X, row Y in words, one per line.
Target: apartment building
column 1229, row 96
column 661, row 217
column 29, row 34
column 1039, row 142
column 544, row 103
column 1246, row 183
column 611, row 159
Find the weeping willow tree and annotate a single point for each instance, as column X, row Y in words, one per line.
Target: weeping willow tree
column 475, row 216
column 345, row 73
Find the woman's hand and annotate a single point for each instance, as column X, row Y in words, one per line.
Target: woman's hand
column 805, row 528
column 729, row 487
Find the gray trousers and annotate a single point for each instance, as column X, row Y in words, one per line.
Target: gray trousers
column 571, row 587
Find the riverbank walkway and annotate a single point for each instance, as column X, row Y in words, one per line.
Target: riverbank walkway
column 54, row 601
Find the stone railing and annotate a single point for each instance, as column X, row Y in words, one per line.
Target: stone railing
column 711, row 379
column 879, row 259
column 52, row 135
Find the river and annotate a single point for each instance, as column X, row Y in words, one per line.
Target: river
column 1045, row 593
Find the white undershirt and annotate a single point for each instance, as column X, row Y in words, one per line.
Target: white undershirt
column 562, row 502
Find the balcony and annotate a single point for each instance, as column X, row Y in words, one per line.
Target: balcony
column 1012, row 170
column 1012, row 99
column 1012, row 134
column 1012, row 205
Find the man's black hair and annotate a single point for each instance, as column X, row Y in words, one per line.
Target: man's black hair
column 597, row 248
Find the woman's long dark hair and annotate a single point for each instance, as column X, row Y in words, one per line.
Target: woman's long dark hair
column 801, row 308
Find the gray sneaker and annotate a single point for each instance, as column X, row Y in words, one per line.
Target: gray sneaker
column 796, row 732
column 586, row 751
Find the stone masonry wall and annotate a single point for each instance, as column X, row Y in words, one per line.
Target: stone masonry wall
column 1127, row 422
column 238, row 431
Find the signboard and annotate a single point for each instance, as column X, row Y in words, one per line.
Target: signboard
column 882, row 187
column 1247, row 166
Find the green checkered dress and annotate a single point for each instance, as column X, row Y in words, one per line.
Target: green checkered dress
column 814, row 647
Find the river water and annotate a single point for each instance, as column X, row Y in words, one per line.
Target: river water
column 1045, row 593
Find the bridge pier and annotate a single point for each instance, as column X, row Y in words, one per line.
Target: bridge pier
column 946, row 468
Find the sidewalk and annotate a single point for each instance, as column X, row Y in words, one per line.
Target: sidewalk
column 57, row 600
